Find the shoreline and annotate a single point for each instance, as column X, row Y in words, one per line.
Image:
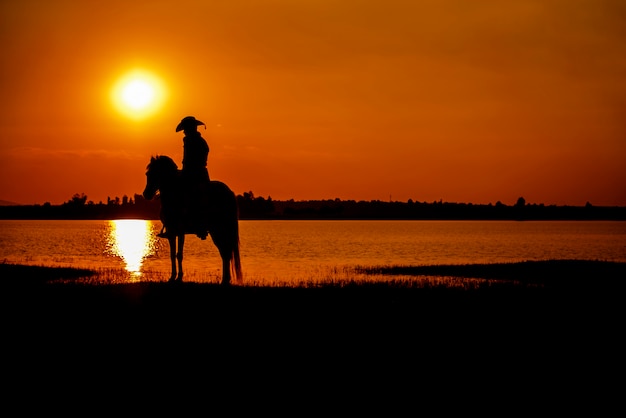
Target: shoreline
column 531, row 289
column 524, row 290
column 555, row 272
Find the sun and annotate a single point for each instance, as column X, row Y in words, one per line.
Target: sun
column 138, row 94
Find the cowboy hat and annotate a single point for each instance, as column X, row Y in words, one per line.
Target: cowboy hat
column 189, row 122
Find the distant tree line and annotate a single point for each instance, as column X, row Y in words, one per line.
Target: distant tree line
column 78, row 207
column 253, row 207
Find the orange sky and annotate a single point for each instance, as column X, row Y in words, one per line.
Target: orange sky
column 465, row 101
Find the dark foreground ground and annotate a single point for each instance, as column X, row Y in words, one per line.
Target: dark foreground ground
column 556, row 342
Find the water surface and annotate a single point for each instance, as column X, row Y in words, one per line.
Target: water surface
column 301, row 251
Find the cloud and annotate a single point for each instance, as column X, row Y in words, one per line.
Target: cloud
column 36, row 153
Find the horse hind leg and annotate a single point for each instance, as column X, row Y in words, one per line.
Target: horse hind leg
column 231, row 263
column 225, row 270
column 179, row 257
column 226, row 259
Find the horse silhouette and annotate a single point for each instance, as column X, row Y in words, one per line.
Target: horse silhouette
column 221, row 215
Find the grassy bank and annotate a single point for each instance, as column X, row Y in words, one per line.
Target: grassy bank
column 524, row 289
column 524, row 330
column 546, row 273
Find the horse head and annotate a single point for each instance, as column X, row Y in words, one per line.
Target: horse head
column 160, row 169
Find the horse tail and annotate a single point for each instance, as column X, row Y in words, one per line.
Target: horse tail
column 235, row 262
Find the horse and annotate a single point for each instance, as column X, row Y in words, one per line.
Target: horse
column 221, row 217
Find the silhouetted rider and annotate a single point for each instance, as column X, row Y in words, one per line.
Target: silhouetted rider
column 195, row 150
column 195, row 173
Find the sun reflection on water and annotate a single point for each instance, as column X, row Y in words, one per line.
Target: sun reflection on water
column 132, row 240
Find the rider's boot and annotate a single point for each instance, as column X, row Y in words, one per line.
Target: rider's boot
column 163, row 233
column 200, row 228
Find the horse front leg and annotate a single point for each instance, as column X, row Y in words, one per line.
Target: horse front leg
column 172, row 241
column 179, row 256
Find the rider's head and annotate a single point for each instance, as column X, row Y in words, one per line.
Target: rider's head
column 189, row 124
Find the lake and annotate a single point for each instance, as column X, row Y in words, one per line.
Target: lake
column 277, row 252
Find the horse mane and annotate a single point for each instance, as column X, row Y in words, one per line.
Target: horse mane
column 162, row 162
